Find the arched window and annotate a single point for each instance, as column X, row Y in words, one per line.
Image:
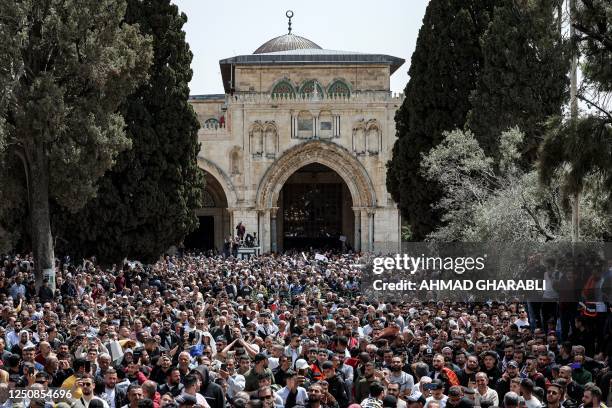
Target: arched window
column 235, row 160
column 283, row 89
column 373, row 136
column 271, row 138
column 211, row 123
column 256, row 133
column 359, row 137
column 338, row 88
column 308, row 88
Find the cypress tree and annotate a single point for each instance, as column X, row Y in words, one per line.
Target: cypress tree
column 65, row 69
column 443, row 71
column 524, row 79
column 147, row 202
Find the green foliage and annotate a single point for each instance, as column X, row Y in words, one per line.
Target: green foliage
column 65, row 67
column 482, row 204
column 523, row 80
column 443, row 71
column 146, row 203
column 594, row 24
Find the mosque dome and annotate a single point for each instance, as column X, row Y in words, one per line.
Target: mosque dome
column 286, row 42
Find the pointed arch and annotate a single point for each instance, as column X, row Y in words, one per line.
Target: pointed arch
column 339, row 87
column 359, row 137
column 308, row 87
column 271, row 138
column 323, row 152
column 283, row 88
column 373, row 135
column 222, row 178
column 256, row 138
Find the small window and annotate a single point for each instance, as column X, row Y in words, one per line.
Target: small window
column 304, row 124
column 325, row 124
column 211, row 123
column 338, row 88
column 309, row 87
column 283, row 89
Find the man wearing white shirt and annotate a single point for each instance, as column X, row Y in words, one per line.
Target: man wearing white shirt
column 191, row 384
column 292, row 394
column 86, row 384
column 483, row 392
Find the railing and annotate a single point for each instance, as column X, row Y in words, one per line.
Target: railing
column 374, row 96
column 213, row 131
column 213, row 126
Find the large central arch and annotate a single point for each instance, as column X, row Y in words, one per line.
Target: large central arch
column 323, row 152
column 336, row 158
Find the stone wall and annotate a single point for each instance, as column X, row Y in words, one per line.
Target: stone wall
column 252, row 78
column 259, row 133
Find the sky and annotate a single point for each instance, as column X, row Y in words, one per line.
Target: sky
column 225, row 28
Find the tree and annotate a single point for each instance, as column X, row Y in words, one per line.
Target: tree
column 581, row 147
column 66, row 66
column 443, row 71
column 581, row 150
column 147, row 202
column 523, row 80
column 495, row 200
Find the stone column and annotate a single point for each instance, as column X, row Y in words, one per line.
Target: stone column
column 370, row 212
column 230, row 213
column 357, row 241
column 273, row 243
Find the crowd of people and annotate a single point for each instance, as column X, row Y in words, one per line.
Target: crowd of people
column 280, row 331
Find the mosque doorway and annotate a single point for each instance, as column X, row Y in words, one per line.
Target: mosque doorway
column 315, row 210
column 214, row 219
column 203, row 238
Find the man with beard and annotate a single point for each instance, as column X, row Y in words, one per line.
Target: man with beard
column 503, row 384
column 173, row 383
column 251, row 377
column 574, row 390
column 405, row 380
column 362, row 387
column 468, row 374
column 337, row 387
column 555, row 394
column 86, row 384
column 161, row 370
column 489, row 362
column 314, row 397
column 169, row 339
column 592, row 397
column 443, row 373
column 531, row 369
column 114, row 396
column 393, row 389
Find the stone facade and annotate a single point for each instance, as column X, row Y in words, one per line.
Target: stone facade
column 275, row 119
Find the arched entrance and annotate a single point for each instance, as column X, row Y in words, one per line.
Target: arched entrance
column 213, row 216
column 315, row 210
column 342, row 168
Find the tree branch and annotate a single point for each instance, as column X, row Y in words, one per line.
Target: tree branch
column 539, row 227
column 599, row 108
column 607, row 42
